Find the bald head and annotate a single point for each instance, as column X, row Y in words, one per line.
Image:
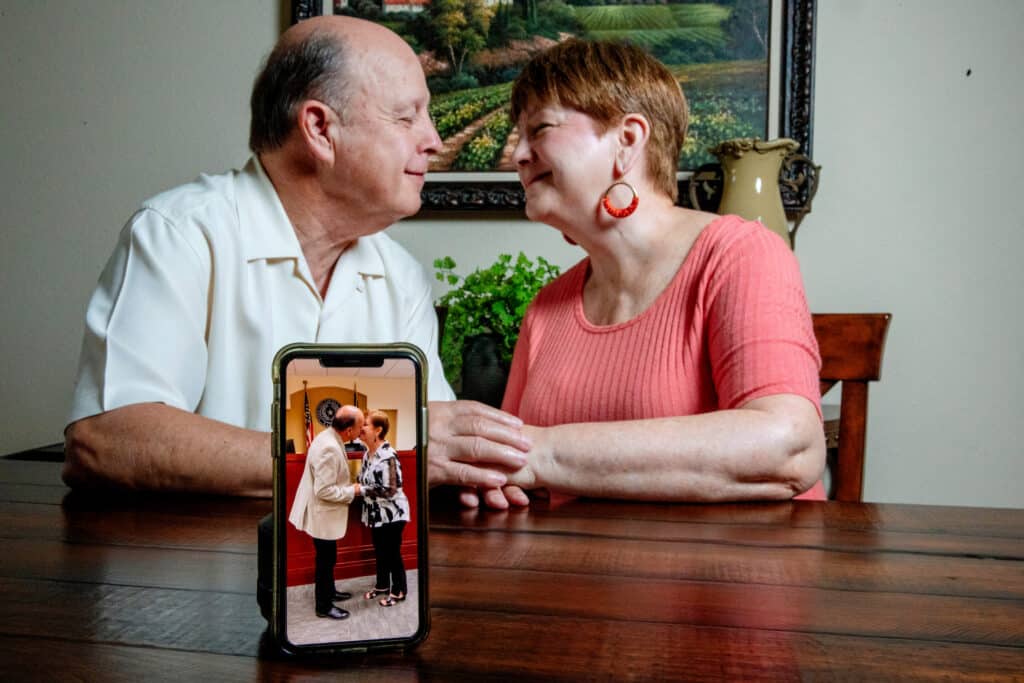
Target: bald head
column 348, row 421
column 320, row 59
column 347, row 29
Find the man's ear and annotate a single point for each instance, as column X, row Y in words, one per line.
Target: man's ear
column 315, row 123
column 633, row 134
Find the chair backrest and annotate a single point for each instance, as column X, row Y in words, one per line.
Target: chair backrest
column 851, row 346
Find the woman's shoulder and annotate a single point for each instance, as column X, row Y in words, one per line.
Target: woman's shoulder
column 737, row 242
column 563, row 288
column 735, row 232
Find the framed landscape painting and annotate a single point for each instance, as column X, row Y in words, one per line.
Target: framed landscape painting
column 746, row 67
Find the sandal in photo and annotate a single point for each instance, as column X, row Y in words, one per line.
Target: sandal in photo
column 392, row 600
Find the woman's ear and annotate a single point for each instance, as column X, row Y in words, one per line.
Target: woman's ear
column 634, row 133
column 315, row 121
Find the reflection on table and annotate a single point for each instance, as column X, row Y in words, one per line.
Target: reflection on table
column 144, row 588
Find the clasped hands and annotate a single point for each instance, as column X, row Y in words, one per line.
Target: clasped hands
column 482, row 449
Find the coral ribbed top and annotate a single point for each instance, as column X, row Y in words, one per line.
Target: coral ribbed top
column 732, row 325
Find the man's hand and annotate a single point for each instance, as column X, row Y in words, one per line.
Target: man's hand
column 518, row 482
column 473, row 445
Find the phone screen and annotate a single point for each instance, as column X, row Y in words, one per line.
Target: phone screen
column 350, row 497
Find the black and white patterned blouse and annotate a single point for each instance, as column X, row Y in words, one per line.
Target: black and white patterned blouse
column 384, row 500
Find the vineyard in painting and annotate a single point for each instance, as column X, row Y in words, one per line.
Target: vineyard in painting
column 472, row 50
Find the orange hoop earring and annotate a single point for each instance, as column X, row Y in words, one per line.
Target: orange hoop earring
column 615, row 211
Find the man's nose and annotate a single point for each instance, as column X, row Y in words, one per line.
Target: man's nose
column 433, row 142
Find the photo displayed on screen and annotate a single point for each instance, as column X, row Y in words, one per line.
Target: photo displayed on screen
column 350, row 479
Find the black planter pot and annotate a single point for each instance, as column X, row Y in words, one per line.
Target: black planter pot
column 484, row 375
column 442, row 316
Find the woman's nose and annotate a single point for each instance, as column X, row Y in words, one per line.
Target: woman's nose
column 521, row 154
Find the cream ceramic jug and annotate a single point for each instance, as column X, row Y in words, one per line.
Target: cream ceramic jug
column 750, row 184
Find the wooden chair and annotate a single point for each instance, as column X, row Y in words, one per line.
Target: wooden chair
column 851, row 346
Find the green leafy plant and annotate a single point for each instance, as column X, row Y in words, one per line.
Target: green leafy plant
column 491, row 300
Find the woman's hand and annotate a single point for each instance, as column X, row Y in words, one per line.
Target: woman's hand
column 519, row 481
column 494, row 498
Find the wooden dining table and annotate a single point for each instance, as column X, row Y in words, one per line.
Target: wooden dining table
column 158, row 587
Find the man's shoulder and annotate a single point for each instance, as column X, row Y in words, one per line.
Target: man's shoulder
column 236, row 211
column 318, row 450
column 192, row 214
column 206, row 192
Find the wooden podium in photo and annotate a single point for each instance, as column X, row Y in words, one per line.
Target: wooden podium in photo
column 355, row 550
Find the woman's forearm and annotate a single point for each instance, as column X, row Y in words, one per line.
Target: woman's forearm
column 771, row 448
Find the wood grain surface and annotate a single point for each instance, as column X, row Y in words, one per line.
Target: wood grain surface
column 113, row 588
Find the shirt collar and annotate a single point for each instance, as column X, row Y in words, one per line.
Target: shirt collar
column 363, row 257
column 268, row 231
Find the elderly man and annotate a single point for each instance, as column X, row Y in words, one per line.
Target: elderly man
column 209, row 279
column 321, row 504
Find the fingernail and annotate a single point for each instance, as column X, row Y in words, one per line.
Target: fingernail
column 496, row 480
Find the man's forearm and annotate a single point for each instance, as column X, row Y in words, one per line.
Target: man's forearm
column 153, row 447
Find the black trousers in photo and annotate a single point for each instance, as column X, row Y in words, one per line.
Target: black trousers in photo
column 387, row 544
column 326, row 558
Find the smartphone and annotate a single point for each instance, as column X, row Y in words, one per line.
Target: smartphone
column 350, row 498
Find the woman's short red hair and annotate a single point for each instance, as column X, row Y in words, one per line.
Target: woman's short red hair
column 606, row 80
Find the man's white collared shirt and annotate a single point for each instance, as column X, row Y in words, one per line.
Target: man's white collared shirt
column 208, row 281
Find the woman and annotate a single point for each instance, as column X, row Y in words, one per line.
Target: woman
column 678, row 360
column 385, row 509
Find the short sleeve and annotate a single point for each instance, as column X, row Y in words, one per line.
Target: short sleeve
column 423, row 333
column 760, row 335
column 145, row 327
column 517, row 374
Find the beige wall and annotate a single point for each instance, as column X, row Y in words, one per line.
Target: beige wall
column 375, row 393
column 108, row 102
column 105, row 102
column 295, row 412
